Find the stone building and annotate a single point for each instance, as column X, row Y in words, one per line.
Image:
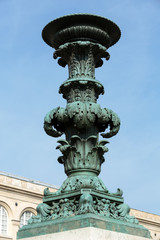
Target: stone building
column 18, row 200
column 19, row 197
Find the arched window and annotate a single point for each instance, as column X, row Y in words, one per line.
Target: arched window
column 3, row 221
column 25, row 217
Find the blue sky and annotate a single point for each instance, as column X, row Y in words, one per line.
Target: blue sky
column 30, row 79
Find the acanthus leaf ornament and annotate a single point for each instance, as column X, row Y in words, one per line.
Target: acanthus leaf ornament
column 81, row 115
column 109, row 118
column 49, row 122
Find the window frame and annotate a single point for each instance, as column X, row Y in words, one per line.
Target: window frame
column 3, row 210
column 24, row 220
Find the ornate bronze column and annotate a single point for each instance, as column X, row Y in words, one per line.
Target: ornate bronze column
column 81, row 42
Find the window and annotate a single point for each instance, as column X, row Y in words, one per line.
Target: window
column 25, row 217
column 3, row 221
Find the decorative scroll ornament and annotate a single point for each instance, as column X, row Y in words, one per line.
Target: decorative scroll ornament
column 81, row 115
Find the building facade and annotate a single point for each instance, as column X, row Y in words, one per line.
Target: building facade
column 20, row 196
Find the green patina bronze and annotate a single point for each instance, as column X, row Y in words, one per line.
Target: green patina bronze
column 81, row 42
column 82, row 221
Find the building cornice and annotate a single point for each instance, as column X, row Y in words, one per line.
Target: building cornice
column 146, row 218
column 21, row 191
column 28, row 180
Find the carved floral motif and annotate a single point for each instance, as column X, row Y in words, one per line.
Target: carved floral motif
column 74, row 183
column 85, row 204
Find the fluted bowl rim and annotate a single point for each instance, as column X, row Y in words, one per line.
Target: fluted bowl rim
column 80, row 19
